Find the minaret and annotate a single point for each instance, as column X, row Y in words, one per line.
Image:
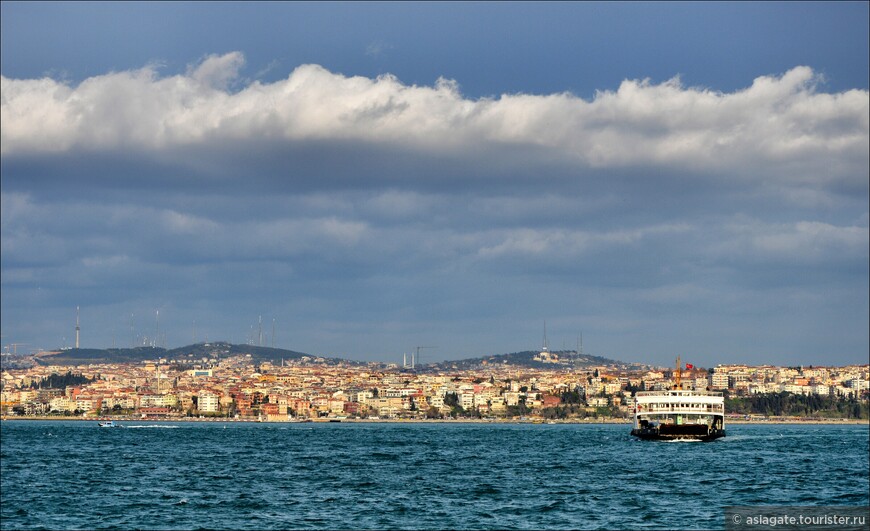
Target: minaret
column 77, row 327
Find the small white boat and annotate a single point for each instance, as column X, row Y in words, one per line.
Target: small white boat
column 109, row 424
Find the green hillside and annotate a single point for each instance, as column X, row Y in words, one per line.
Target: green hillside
column 189, row 353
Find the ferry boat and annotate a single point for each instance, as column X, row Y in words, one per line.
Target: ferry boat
column 679, row 414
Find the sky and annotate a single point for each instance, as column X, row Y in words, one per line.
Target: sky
column 663, row 179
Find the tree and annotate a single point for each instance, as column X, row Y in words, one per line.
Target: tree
column 451, row 399
column 61, row 381
column 633, row 389
column 570, row 397
column 518, row 410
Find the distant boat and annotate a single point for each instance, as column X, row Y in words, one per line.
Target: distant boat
column 109, row 424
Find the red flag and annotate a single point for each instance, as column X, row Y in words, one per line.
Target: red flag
column 689, row 366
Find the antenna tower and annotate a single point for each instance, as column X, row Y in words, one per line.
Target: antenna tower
column 77, row 327
column 546, row 347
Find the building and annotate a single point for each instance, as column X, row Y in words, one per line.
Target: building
column 208, row 402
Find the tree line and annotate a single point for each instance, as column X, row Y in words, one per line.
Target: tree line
column 62, row 381
column 789, row 404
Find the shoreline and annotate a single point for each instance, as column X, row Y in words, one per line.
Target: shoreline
column 775, row 420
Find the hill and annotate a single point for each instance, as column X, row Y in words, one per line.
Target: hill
column 530, row 359
column 85, row 356
column 203, row 352
column 187, row 354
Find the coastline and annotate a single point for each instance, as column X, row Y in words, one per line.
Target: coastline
column 772, row 420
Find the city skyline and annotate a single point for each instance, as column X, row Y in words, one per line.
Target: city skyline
column 357, row 180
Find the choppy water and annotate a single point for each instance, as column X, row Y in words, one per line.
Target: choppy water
column 74, row 475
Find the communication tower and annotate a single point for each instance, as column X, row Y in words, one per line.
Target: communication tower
column 77, row 327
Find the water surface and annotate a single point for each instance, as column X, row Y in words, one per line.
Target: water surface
column 74, row 475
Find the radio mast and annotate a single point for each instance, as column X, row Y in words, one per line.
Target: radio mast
column 546, row 346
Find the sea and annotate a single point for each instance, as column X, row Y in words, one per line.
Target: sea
column 234, row 475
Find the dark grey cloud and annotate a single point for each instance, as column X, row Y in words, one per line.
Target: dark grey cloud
column 367, row 216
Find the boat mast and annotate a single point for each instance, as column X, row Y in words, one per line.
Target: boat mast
column 679, row 372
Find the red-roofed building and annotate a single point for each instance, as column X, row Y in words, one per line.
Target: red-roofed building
column 551, row 401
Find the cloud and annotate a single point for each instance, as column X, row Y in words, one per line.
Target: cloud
column 377, row 48
column 551, row 244
column 779, row 125
column 369, row 212
column 217, row 71
column 798, row 242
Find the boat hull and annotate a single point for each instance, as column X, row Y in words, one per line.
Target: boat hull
column 655, row 434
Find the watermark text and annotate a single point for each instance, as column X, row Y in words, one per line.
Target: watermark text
column 834, row 517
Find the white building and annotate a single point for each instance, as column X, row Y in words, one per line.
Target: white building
column 207, row 402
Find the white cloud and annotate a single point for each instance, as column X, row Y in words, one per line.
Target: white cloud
column 217, row 71
column 795, row 242
column 559, row 243
column 377, row 48
column 777, row 126
column 180, row 223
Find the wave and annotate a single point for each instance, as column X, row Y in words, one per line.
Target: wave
column 155, row 426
